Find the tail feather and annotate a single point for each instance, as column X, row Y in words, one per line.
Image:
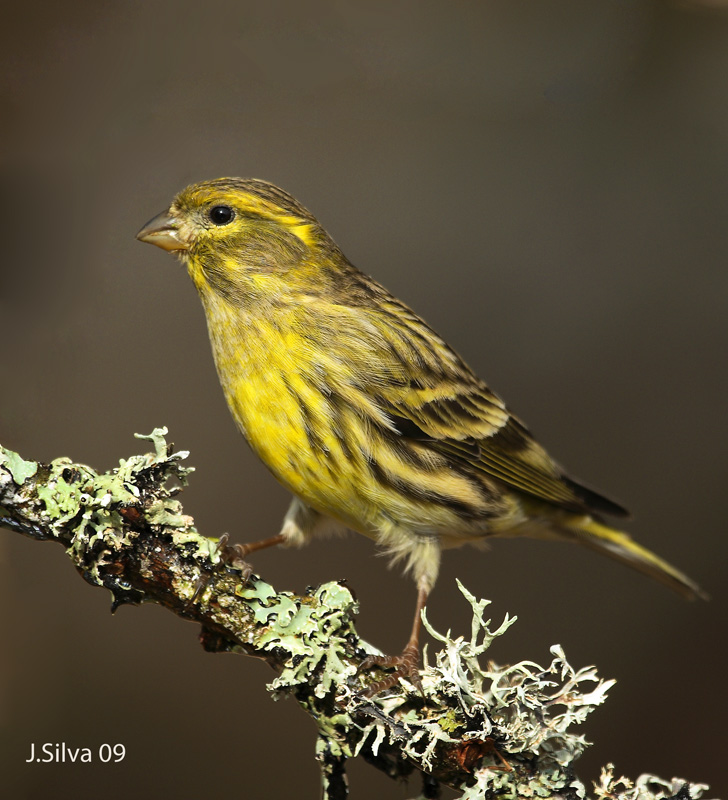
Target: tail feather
column 622, row 547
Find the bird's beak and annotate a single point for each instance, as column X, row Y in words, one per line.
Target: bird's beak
column 163, row 231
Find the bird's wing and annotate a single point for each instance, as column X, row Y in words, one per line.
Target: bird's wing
column 438, row 401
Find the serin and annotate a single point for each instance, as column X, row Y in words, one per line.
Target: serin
column 359, row 408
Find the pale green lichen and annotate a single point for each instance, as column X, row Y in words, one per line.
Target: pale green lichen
column 74, row 498
column 256, row 590
column 312, row 634
column 19, row 468
column 646, row 787
column 525, row 711
column 98, row 497
column 161, row 449
column 525, row 708
column 504, row 785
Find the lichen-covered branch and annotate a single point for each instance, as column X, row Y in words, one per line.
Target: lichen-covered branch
column 479, row 728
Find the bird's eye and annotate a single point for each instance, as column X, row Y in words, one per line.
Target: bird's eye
column 221, row 215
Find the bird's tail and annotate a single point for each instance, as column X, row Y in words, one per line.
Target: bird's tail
column 622, row 547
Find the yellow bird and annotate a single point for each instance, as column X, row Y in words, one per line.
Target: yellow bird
column 358, row 407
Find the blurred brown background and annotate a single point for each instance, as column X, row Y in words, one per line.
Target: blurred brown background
column 544, row 182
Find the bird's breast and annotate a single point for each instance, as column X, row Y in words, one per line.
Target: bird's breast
column 277, row 391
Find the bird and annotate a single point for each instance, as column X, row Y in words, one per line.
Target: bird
column 353, row 402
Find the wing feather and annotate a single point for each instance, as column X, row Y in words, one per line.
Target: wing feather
column 445, row 406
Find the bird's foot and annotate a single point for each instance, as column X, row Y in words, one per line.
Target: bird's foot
column 231, row 555
column 405, row 665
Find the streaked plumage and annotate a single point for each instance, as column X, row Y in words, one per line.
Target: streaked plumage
column 369, row 418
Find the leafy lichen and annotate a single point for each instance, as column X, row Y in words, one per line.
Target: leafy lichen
column 19, row 468
column 646, row 787
column 507, row 716
column 515, row 723
column 314, row 634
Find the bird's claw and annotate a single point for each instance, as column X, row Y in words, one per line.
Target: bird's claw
column 405, row 665
column 231, row 555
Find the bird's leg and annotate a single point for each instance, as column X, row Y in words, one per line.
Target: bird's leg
column 407, row 664
column 233, row 555
column 300, row 523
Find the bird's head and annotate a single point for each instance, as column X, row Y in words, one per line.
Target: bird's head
column 238, row 236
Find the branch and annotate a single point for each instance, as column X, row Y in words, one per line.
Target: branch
column 484, row 731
